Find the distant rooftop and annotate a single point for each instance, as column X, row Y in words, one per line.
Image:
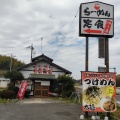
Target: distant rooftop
column 44, row 58
column 41, row 57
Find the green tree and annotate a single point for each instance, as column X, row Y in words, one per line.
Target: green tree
column 118, row 80
column 67, row 83
column 5, row 62
column 14, row 75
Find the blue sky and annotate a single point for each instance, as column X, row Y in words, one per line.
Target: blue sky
column 25, row 22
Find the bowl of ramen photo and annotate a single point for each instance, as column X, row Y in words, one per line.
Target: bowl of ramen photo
column 108, row 104
column 92, row 95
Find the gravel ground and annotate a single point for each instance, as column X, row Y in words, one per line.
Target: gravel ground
column 40, row 109
column 40, row 100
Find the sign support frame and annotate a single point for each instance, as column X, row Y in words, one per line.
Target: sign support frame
column 89, row 27
column 107, row 64
column 87, row 62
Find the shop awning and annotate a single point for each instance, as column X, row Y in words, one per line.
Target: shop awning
column 43, row 76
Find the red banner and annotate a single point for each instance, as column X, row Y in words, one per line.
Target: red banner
column 22, row 89
column 45, row 69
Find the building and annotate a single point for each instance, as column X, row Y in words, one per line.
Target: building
column 41, row 75
column 4, row 82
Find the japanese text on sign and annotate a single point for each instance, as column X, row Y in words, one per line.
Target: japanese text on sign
column 98, row 88
column 96, row 19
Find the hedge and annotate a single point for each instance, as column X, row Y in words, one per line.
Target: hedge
column 7, row 94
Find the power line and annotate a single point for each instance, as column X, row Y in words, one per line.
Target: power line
column 68, row 29
column 71, row 25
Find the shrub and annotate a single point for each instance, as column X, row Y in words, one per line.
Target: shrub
column 67, row 84
column 118, row 80
column 56, row 90
column 16, row 89
column 14, row 75
column 66, row 93
column 7, row 94
column 13, row 88
column 0, row 93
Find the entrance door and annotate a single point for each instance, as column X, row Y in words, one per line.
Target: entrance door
column 41, row 90
column 37, row 90
column 45, row 91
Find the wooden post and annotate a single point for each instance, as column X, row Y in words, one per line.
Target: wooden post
column 107, row 64
column 107, row 54
column 86, row 59
column 86, row 64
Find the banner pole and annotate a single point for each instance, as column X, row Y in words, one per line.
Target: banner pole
column 86, row 59
column 86, row 64
column 107, row 64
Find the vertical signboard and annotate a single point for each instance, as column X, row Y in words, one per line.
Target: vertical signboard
column 22, row 89
column 99, row 92
column 96, row 19
column 101, row 47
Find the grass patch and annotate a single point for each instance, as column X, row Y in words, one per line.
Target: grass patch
column 72, row 100
column 1, row 89
column 6, row 101
column 77, row 84
column 67, row 100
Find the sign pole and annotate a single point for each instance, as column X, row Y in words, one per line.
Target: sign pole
column 107, row 54
column 107, row 64
column 86, row 65
column 86, row 59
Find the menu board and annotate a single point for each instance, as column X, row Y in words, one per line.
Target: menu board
column 99, row 92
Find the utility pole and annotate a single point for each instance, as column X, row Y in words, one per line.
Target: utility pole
column 11, row 61
column 41, row 44
column 31, row 48
column 31, row 51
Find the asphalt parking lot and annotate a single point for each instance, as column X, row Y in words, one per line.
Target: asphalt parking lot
column 40, row 111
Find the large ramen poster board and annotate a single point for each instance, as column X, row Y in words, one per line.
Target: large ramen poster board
column 99, row 92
